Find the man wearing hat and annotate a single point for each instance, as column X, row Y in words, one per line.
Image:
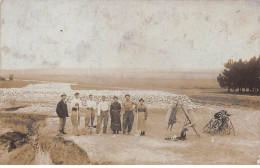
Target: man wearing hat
column 128, row 117
column 91, row 107
column 115, row 110
column 62, row 112
column 75, row 105
column 103, row 108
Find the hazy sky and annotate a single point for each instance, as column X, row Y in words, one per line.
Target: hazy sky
column 138, row 34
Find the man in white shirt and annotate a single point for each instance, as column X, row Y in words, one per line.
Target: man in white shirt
column 75, row 106
column 90, row 113
column 91, row 106
column 103, row 108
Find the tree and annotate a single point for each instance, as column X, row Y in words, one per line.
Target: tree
column 241, row 75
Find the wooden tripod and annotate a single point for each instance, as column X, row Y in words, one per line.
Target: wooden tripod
column 188, row 121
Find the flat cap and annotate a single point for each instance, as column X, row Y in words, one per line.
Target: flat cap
column 115, row 97
column 63, row 95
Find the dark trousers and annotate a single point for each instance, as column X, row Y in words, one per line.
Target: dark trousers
column 128, row 120
column 92, row 117
column 62, row 123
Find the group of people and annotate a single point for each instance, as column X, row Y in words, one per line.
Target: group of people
column 104, row 110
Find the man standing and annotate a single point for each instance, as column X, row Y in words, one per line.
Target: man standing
column 75, row 105
column 62, row 112
column 90, row 113
column 91, row 106
column 128, row 116
column 115, row 110
column 103, row 108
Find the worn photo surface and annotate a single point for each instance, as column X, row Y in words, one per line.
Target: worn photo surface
column 134, row 82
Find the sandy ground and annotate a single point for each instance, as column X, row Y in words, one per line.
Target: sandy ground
column 242, row 148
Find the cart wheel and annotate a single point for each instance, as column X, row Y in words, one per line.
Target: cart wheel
column 215, row 127
column 225, row 130
column 232, row 128
column 207, row 127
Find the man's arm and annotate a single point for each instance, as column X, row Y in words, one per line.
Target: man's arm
column 134, row 106
column 95, row 105
column 120, row 107
column 109, row 107
column 123, row 108
column 80, row 104
column 98, row 111
column 72, row 104
column 58, row 108
column 111, row 110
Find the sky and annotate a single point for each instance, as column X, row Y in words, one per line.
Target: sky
column 150, row 35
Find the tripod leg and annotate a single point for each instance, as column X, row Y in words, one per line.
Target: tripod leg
column 168, row 127
column 195, row 131
column 171, row 127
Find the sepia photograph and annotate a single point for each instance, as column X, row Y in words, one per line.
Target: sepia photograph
column 132, row 82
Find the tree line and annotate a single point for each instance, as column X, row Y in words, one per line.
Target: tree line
column 243, row 76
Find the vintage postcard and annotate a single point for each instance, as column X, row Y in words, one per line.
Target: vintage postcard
column 133, row 82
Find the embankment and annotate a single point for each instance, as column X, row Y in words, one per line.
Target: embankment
column 25, row 140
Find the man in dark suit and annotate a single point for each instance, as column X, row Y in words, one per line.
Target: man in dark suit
column 62, row 112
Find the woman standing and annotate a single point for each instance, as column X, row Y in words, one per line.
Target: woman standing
column 115, row 109
column 142, row 116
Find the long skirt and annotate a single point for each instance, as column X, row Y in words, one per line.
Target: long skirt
column 115, row 121
column 141, row 121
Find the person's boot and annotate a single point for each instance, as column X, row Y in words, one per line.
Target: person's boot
column 62, row 131
column 114, row 132
column 143, row 132
column 183, row 134
column 117, row 132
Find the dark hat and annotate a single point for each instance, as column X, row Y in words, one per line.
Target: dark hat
column 76, row 93
column 63, row 95
column 141, row 100
column 127, row 95
column 115, row 97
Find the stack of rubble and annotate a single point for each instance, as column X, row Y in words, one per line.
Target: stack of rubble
column 44, row 97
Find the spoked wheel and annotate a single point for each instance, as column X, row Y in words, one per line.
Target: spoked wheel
column 207, row 128
column 224, row 130
column 222, row 127
column 231, row 128
column 215, row 126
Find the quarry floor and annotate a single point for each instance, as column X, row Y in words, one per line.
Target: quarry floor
column 46, row 146
column 51, row 148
